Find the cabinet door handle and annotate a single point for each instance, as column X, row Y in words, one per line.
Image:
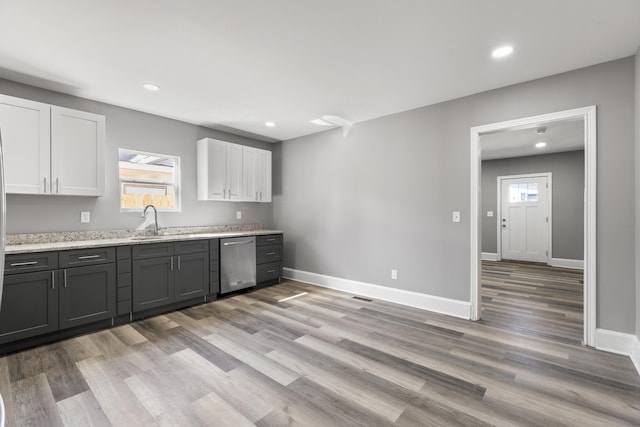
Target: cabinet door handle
column 261, row 196
column 20, row 264
column 224, row 193
column 171, row 263
column 257, row 195
column 271, row 271
column 53, row 280
column 273, row 239
column 45, row 185
column 178, row 263
column 270, row 253
column 89, row 257
column 65, row 277
column 58, row 185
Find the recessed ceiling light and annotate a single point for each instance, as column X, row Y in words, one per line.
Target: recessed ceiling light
column 502, row 51
column 269, row 124
column 151, row 87
column 541, row 144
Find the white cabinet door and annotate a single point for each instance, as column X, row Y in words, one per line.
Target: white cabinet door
column 250, row 172
column 211, row 173
column 234, row 172
column 264, row 176
column 77, row 152
column 25, row 127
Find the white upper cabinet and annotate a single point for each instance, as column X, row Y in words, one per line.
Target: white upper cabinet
column 264, row 175
column 233, row 172
column 257, row 175
column 219, row 175
column 51, row 150
column 77, row 152
column 26, row 141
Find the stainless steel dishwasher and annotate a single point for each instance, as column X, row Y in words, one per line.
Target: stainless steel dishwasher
column 237, row 263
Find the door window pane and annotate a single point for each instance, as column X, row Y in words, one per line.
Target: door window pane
column 519, row 193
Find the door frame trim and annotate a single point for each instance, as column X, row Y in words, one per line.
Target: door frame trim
column 548, row 176
column 588, row 114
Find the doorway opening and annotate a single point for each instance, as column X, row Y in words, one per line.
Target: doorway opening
column 587, row 117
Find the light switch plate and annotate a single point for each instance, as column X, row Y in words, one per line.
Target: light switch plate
column 238, row 214
column 85, row 216
column 456, row 217
column 394, row 274
column 489, row 213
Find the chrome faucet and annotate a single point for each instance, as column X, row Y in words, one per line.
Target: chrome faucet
column 155, row 217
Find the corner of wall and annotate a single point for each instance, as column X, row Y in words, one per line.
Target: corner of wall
column 637, row 205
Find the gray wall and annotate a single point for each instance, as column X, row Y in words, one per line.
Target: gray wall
column 637, row 175
column 135, row 130
column 568, row 194
column 382, row 198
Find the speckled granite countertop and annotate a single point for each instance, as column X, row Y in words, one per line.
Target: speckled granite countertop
column 42, row 242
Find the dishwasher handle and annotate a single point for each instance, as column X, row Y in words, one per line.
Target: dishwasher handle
column 244, row 242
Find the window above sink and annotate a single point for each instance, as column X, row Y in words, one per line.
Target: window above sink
column 148, row 179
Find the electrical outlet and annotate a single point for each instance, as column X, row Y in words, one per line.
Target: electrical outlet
column 238, row 214
column 489, row 213
column 85, row 216
column 394, row 274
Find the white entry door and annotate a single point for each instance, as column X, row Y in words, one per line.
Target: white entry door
column 524, row 218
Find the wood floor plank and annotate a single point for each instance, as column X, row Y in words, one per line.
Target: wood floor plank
column 329, row 358
column 82, row 410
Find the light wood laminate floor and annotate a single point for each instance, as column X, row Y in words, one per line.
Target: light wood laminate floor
column 327, row 359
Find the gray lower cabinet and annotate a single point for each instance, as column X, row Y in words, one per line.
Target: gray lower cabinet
column 269, row 258
column 29, row 305
column 164, row 273
column 152, row 283
column 191, row 276
column 87, row 294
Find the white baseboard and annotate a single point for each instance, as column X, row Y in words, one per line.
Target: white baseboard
column 442, row 305
column 577, row 264
column 635, row 353
column 489, row 256
column 614, row 342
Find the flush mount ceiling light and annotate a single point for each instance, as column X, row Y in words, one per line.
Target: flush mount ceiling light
column 502, row 52
column 269, row 124
column 151, row 87
column 334, row 121
column 541, row 144
column 541, row 131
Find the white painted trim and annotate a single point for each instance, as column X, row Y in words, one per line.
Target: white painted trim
column 635, row 353
column 576, row 264
column 489, row 256
column 437, row 304
column 549, row 194
column 588, row 114
column 614, row 342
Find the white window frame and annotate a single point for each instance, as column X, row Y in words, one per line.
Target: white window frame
column 176, row 182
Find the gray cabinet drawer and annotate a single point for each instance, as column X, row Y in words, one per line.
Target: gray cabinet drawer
column 269, row 239
column 80, row 257
column 22, row 263
column 265, row 272
column 152, row 250
column 191, row 247
column 268, row 254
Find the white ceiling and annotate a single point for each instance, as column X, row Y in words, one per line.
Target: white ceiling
column 233, row 65
column 564, row 135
